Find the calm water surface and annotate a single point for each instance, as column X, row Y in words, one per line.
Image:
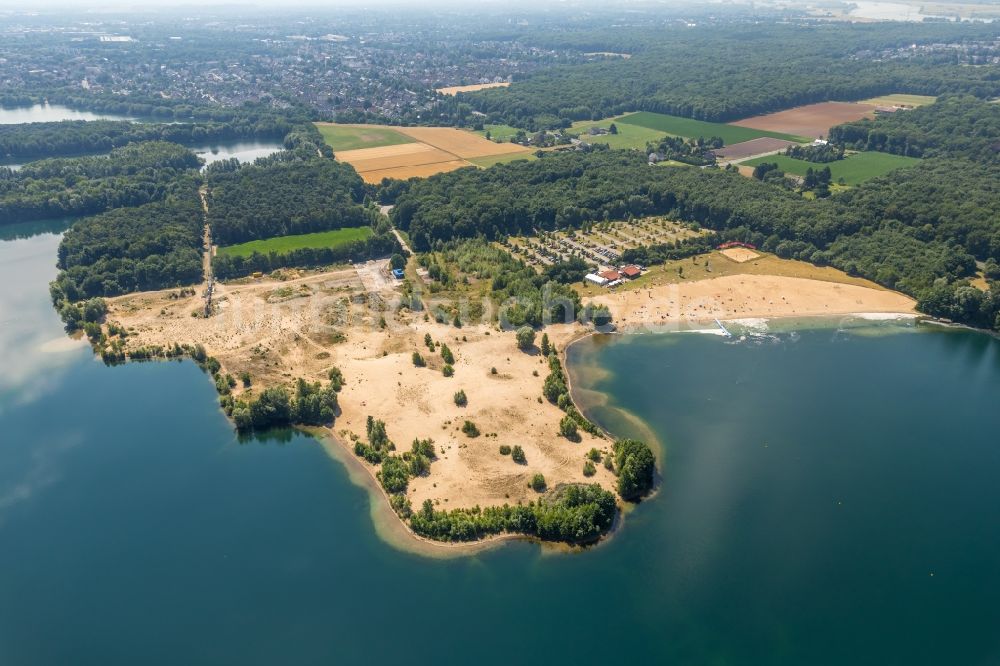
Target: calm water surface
column 48, row 113
column 244, row 151
column 812, row 486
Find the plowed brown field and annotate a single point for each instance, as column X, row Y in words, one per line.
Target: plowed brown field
column 813, row 120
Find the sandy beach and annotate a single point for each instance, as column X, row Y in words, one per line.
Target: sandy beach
column 747, row 297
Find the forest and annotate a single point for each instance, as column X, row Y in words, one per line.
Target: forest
column 276, row 198
column 954, row 126
column 723, row 73
column 153, row 246
column 914, row 229
column 130, row 176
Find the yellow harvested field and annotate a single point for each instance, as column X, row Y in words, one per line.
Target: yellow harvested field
column 410, row 154
column 459, row 142
column 453, row 90
column 434, row 150
column 416, row 171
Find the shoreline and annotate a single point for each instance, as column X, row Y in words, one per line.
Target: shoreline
column 389, row 526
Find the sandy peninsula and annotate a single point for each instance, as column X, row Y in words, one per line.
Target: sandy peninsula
column 302, row 324
column 279, row 331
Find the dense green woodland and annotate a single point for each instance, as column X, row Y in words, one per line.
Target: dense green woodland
column 914, row 229
column 723, row 73
column 131, row 176
column 279, row 199
column 954, row 126
column 154, row 246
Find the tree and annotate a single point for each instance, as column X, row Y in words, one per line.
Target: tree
column 546, row 347
column 568, row 428
column 635, row 464
column 397, row 261
column 470, row 429
column 446, row 355
column 517, row 455
column 525, row 338
column 589, row 469
column 460, row 399
column 272, row 408
column 613, row 129
column 537, row 483
column 418, row 360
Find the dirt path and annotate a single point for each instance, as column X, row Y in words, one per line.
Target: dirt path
column 207, row 261
column 207, row 257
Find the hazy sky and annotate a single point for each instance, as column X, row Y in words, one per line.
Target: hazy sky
column 181, row 5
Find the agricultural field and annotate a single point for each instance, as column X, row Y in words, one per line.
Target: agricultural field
column 813, row 120
column 601, row 244
column 900, row 99
column 353, row 137
column 745, row 149
column 430, row 150
column 854, row 169
column 282, row 244
column 686, row 127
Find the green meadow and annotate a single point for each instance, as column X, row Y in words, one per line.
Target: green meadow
column 854, row 169
column 282, row 244
column 629, row 136
column 348, row 137
column 498, row 132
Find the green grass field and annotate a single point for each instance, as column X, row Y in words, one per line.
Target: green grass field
column 501, row 132
column 901, row 99
column 629, row 136
column 282, row 244
column 692, row 129
column 490, row 160
column 854, row 169
column 342, row 137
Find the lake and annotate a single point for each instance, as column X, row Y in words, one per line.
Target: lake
column 48, row 113
column 828, row 497
column 244, row 151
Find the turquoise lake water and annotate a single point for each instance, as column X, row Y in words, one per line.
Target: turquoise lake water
column 812, row 484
